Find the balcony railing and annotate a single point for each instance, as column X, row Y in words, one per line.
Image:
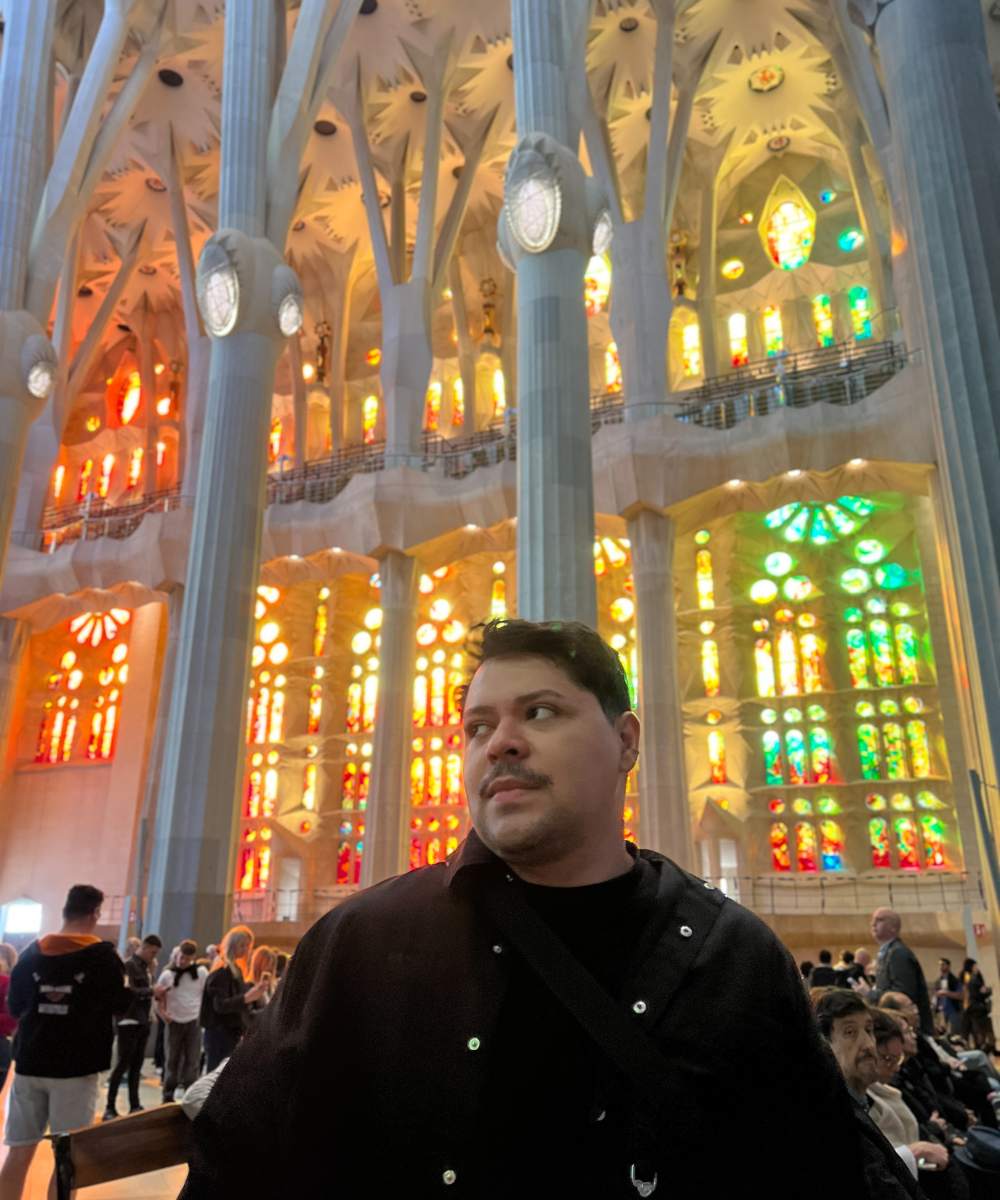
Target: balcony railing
column 937, row 891
column 840, row 375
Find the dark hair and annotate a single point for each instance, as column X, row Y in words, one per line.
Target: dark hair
column 968, row 965
column 82, row 900
column 886, row 1027
column 806, row 968
column 836, row 1003
column 281, row 964
column 188, row 947
column 825, row 956
column 945, row 960
column 847, row 956
column 152, row 939
column 573, row 647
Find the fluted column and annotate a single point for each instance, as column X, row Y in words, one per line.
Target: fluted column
column 946, row 142
column 664, row 819
column 191, row 871
column 388, row 810
column 555, row 527
column 14, row 639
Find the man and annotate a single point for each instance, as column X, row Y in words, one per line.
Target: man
column 949, row 997
column 823, row 975
column 440, row 998
column 65, row 991
column 898, row 969
column 847, row 1024
column 134, row 1025
column 180, row 1009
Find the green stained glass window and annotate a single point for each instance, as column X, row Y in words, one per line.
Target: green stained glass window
column 819, row 755
column 772, row 757
column 888, row 707
column 920, row 749
column 777, row 518
column 853, row 615
column 929, row 800
column 828, row 806
column 768, row 716
column 860, row 505
column 857, row 658
column 869, row 550
column 906, row 653
column 842, row 522
column 934, row 835
column 900, row 802
column 892, row 576
column 855, row 580
column 779, row 563
column 802, row 807
column 795, row 748
column 796, row 529
column 881, row 644
column 865, row 708
column 895, row 751
column 816, row 712
column 878, row 837
column 875, row 604
column 868, row 750
column 901, row 609
column 820, row 532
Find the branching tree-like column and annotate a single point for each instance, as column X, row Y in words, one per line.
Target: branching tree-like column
column 946, row 142
column 553, row 218
column 408, row 305
column 641, row 303
column 250, row 302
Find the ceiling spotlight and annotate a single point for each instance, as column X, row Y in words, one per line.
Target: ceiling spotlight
column 170, row 78
column 857, row 462
column 418, row 97
column 41, row 379
column 794, row 474
column 325, row 128
column 472, row 528
column 628, row 24
column 218, row 289
column 298, row 226
column 735, row 482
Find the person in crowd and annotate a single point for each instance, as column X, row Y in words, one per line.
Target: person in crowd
column 281, row 966
column 180, row 1010
column 806, row 969
column 450, row 996
column 8, row 957
column 889, row 1110
column 211, row 953
column 64, row 991
column 134, row 1026
column 926, row 1091
column 965, row 1083
column 850, row 968
column 823, row 974
column 848, row 1025
column 132, row 944
column 977, row 1026
column 949, row 997
column 898, row 969
column 227, row 994
column 980, row 1158
column 263, row 969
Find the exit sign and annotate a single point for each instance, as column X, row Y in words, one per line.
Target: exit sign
column 979, row 931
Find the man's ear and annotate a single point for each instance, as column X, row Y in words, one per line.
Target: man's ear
column 627, row 730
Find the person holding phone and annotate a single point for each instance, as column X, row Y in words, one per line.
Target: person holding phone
column 263, row 966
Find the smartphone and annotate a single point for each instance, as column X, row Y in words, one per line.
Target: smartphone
column 265, row 977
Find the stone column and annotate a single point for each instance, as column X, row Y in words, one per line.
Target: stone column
column 191, row 872
column 387, row 814
column 664, row 818
column 555, row 527
column 24, row 102
column 946, row 141
column 14, row 639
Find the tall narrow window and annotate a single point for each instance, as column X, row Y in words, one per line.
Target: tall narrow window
column 134, row 468
column 739, row 348
column 319, row 631
column 691, row 348
column 420, row 701
column 717, row 755
column 878, row 838
column 704, row 579
column 369, row 415
column 772, row 757
column 881, row 644
column 788, row 667
column 437, row 695
column 499, row 394
column 418, row 781
column 612, row 369
column 812, row 663
column 779, row 847
column 831, row 845
column 370, row 697
column 795, row 748
column 823, row 319
column 58, row 477
column 710, row 667
column 84, row 486
column 906, row 653
column 933, row 832
column 868, row 751
column 920, row 750
column 857, row 658
column 774, row 333
column 805, row 846
column 906, row 843
column 861, row 314
column 763, row 659
column 433, row 406
column 104, row 481
column 895, row 751
column 458, row 402
column 819, row 755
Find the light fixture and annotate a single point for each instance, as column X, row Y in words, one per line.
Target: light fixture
column 532, row 201
column 604, row 231
column 735, row 482
column 41, row 379
column 308, row 371
column 857, row 462
column 794, row 474
column 472, row 528
column 290, row 314
column 218, row 289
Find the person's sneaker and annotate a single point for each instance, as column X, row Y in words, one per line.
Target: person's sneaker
column 110, row 1114
column 138, row 1108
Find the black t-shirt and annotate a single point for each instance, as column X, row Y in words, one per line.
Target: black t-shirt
column 555, row 1117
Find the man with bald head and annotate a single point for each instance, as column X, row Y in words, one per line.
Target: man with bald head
column 897, row 967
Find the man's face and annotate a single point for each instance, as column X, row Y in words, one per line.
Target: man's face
column 944, row 967
column 146, row 952
column 909, row 1037
column 885, row 925
column 544, row 768
column 852, row 1041
column 185, row 960
column 890, row 1054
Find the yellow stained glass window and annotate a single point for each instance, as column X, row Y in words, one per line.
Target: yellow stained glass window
column 369, row 415
column 739, row 349
column 433, row 405
column 691, row 343
column 823, row 319
column 774, row 333
column 788, row 226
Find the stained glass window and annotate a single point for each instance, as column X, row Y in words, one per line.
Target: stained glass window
column 499, row 394
column 881, row 643
column 812, row 662
column 795, row 748
column 458, row 402
column 906, row 653
column 84, row 486
column 878, row 837
column 869, row 752
column 596, row 284
column 764, row 667
column 831, row 845
column 933, row 832
column 433, row 405
column 788, row 667
column 612, row 369
column 823, row 319
column 895, row 751
column 369, row 416
column 805, row 846
column 717, row 755
column 857, row 658
column 704, row 579
column 906, row 843
column 861, row 316
column 779, row 847
column 920, row 751
column 772, row 757
column 789, row 230
column 739, row 349
column 691, row 345
column 774, row 334
column 710, row 667
column 819, row 755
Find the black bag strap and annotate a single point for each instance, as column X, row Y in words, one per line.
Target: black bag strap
column 609, row 1024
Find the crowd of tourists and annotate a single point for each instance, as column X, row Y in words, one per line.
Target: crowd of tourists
column 70, row 1005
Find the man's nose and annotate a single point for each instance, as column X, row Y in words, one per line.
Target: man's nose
column 507, row 741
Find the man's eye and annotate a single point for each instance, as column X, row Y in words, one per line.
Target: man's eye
column 540, row 710
column 475, row 730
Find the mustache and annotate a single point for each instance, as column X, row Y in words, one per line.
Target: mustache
column 513, row 770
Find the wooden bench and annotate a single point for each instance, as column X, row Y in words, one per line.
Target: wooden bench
column 133, row 1145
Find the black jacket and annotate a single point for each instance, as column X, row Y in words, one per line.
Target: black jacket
column 66, row 1004
column 139, row 978
column 823, row 976
column 899, row 971
column 397, row 992
column 222, row 1004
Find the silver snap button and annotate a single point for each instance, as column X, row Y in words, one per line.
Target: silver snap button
column 498, row 949
column 510, row 878
column 639, row 1007
column 473, row 1043
column 602, row 1116
column 710, row 886
column 686, row 931
column 449, row 1177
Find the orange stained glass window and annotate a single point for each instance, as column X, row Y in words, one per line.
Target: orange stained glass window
column 878, row 837
column 416, row 854
column 763, row 658
column 55, row 736
column 691, row 349
column 131, row 394
column 779, row 847
column 104, row 480
column 450, row 846
column 906, row 843
column 68, row 736
column 453, row 779
column 434, row 851
column 717, row 755
column 319, row 631
column 85, row 473
column 246, row 870
column 363, row 782
column 270, row 792
column 805, row 846
column 369, row 415
column 108, row 733
column 433, row 405
column 710, row 667
column 498, row 599
column 252, row 809
column 458, row 402
column 58, row 477
column 612, row 369
column 274, row 440
column 437, row 695
column 94, row 741
column 420, row 700
column 343, row 863
column 455, row 681
column 788, row 667
column 250, row 707
column 260, row 716
column 349, row 785
column 739, row 349
column 920, row 751
column 309, row 786
column 263, row 865
column 134, row 468
column 418, row 773
column 370, row 703
column 41, row 746
column 435, row 779
column 277, row 721
column 704, row 579
column 812, row 663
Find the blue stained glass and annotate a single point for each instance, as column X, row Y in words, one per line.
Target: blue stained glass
column 820, row 532
column 796, row 530
column 891, row 576
column 841, row 521
column 861, row 506
column 777, row 518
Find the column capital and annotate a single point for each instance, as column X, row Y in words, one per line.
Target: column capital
column 244, row 286
column 28, row 362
